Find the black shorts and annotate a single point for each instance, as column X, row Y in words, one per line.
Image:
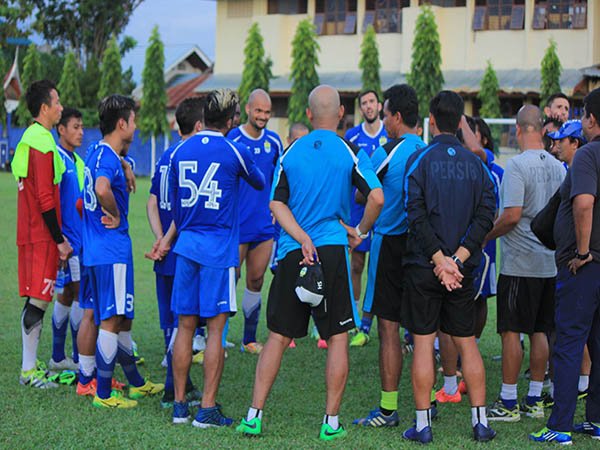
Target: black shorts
column 427, row 306
column 385, row 282
column 288, row 316
column 525, row 304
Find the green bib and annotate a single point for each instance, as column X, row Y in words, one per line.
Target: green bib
column 79, row 166
column 38, row 138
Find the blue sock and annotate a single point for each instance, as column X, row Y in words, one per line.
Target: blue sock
column 365, row 324
column 127, row 361
column 509, row 403
column 106, row 356
column 167, row 336
column 251, row 303
column 75, row 349
column 60, row 323
column 75, row 320
column 200, row 331
column 532, row 400
column 169, row 378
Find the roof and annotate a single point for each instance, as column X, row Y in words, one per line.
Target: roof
column 183, row 90
column 12, row 79
column 591, row 72
column 195, row 56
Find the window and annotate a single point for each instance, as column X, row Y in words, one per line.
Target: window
column 287, row 6
column 447, row 3
column 560, row 14
column 335, row 16
column 385, row 15
column 499, row 15
column 239, row 8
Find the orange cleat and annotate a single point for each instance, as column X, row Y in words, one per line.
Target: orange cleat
column 462, row 387
column 292, row 344
column 322, row 343
column 442, row 397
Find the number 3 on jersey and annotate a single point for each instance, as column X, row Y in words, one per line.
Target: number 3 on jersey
column 208, row 187
column 89, row 196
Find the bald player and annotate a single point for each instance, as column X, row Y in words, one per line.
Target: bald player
column 310, row 199
column 525, row 299
column 256, row 222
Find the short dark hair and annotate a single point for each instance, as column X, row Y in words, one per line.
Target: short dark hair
column 188, row 113
column 219, row 107
column 447, row 108
column 368, row 91
column 591, row 103
column 472, row 124
column 68, row 114
column 402, row 98
column 487, row 141
column 38, row 94
column 554, row 97
column 113, row 108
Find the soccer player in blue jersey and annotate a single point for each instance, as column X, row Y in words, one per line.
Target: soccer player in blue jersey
column 256, row 222
column 66, row 308
column 385, row 272
column 108, row 254
column 204, row 184
column 368, row 136
column 158, row 208
column 310, row 198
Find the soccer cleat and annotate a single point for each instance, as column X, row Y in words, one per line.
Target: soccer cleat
column 198, row 358
column 139, row 360
column 582, row 394
column 164, row 363
column 481, row 433
column 116, row 400
column 192, row 396
column 117, row 385
column 229, row 344
column 322, row 344
column 148, row 388
column 425, row 436
column 87, row 389
column 500, row 413
column 65, row 364
column 547, row 435
column 181, row 413
column 67, row 378
column 360, row 339
column 199, row 343
column 292, row 344
column 250, row 427
column 535, row 411
column 254, row 348
column 329, row 434
column 377, row 419
column 462, row 387
column 36, row 378
column 314, row 334
column 442, row 397
column 211, row 417
column 547, row 399
column 590, row 428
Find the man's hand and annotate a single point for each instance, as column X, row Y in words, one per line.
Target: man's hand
column 153, row 254
column 129, row 176
column 354, row 239
column 109, row 221
column 64, row 250
column 576, row 263
column 309, row 252
column 448, row 273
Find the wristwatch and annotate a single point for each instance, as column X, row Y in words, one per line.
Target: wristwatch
column 458, row 262
column 580, row 256
column 360, row 233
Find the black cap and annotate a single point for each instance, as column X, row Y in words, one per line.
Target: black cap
column 310, row 287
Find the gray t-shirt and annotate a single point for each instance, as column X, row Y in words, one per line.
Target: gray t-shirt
column 530, row 179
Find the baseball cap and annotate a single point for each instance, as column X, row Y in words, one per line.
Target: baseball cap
column 571, row 128
column 310, row 287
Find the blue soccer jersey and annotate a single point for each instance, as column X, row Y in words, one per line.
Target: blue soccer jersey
column 204, row 181
column 389, row 162
column 256, row 222
column 160, row 187
column 314, row 178
column 71, row 186
column 103, row 245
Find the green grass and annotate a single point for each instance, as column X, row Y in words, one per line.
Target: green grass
column 59, row 419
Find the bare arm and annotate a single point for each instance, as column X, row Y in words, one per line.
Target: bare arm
column 153, row 216
column 583, row 207
column 505, row 223
column 470, row 139
column 105, row 196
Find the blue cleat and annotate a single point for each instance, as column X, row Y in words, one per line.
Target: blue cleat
column 425, row 436
column 377, row 419
column 181, row 413
column 590, row 428
column 211, row 417
column 481, row 433
column 547, row 435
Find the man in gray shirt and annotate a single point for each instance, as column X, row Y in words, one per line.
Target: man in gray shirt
column 526, row 285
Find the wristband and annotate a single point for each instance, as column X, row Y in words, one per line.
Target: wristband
column 360, row 233
column 458, row 262
column 581, row 257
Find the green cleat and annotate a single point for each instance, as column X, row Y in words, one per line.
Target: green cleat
column 148, row 388
column 250, row 427
column 360, row 339
column 329, row 434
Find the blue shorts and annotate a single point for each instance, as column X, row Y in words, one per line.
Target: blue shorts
column 164, row 289
column 112, row 290
column 255, row 241
column 86, row 300
column 203, row 291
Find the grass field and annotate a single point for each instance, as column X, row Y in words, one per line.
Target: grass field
column 57, row 418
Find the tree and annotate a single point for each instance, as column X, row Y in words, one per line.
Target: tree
column 369, row 62
column 32, row 71
column 68, row 86
column 304, row 75
column 14, row 13
column 3, row 70
column 488, row 93
column 425, row 69
column 550, row 73
column 153, row 120
column 257, row 68
column 110, row 80
column 89, row 83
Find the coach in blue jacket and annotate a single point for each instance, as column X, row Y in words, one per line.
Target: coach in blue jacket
column 450, row 206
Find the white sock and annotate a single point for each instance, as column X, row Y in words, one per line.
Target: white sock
column 423, row 419
column 584, row 382
column 253, row 412
column 332, row 421
column 60, row 314
column 535, row 388
column 87, row 364
column 125, row 341
column 478, row 415
column 172, row 341
column 450, row 385
column 107, row 345
column 76, row 315
column 508, row 392
column 551, row 389
column 250, row 301
column 31, row 339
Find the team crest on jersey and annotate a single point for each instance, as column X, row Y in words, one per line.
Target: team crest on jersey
column 451, row 151
column 205, row 140
column 382, row 140
column 268, row 147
